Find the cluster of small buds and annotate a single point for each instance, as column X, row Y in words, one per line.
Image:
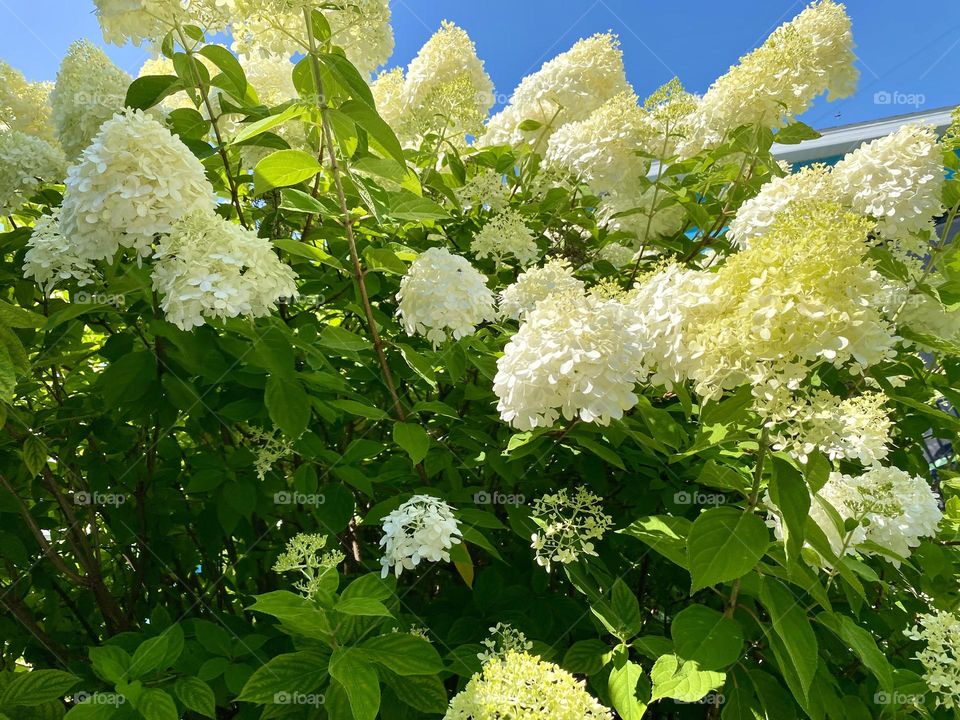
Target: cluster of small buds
column 569, row 523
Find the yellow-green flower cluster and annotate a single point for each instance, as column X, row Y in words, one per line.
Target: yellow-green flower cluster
column 566, row 89
column 304, row 555
column 802, row 293
column 24, row 106
column 24, row 161
column 150, row 20
column 568, row 526
column 521, row 686
column 940, row 656
column 505, row 236
column 88, row 91
column 806, row 57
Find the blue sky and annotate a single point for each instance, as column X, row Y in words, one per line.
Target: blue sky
column 909, row 50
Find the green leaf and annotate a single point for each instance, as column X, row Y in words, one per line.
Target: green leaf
column 110, row 662
column 412, row 438
column 338, row 338
column 268, row 123
column 380, row 134
column 156, row 653
column 29, row 689
column 149, row 90
column 304, row 250
column 863, row 644
column 282, row 168
column 529, row 125
column 682, row 680
column 299, row 201
column 352, row 668
column 419, row 364
column 156, row 704
column 724, row 543
column 664, row 533
column 291, row 673
column 34, row 454
column 88, row 711
column 706, row 637
column 348, row 77
column 788, row 491
column 17, row 317
column 425, row 693
column 621, row 614
column 404, row 205
column 623, row 683
column 233, row 80
column 795, row 133
column 196, row 695
column 585, row 657
column 366, row 607
column 383, row 260
column 288, row 405
column 789, row 623
column 403, row 654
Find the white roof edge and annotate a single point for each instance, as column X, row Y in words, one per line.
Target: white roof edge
column 843, row 139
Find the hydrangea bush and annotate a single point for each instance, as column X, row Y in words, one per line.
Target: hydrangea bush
column 326, row 394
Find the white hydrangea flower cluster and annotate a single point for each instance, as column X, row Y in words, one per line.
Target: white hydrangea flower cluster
column 803, row 58
column 602, row 149
column 486, row 189
column 521, row 686
column 51, row 259
column 443, row 294
column 208, row 267
column 276, row 27
column 566, row 89
column 24, row 106
column 129, row 185
column 855, row 428
column 89, row 90
column 506, row 235
column 446, row 89
column 503, row 639
column 896, row 180
column 801, row 294
column 271, row 76
column 568, row 524
column 24, row 161
column 532, row 286
column 755, row 217
column 387, row 92
column 575, row 355
column 889, row 508
column 940, row 656
column 150, row 20
column 423, row 528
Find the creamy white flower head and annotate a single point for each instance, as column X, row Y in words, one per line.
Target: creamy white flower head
column 804, row 58
column 387, row 92
column 574, row 355
column 566, row 89
column 50, row 259
column 271, row 76
column 645, row 220
column 535, row 284
column 568, row 525
column 801, row 294
column 210, row 268
column 446, row 86
column 486, row 189
column 89, row 90
column 503, row 639
column 940, row 656
column 524, row 687
column 150, row 20
column 855, row 428
column 277, row 27
column 602, row 149
column 757, row 214
column 129, row 185
column 25, row 160
column 24, row 106
column 889, row 508
column 617, row 255
column 897, row 180
column 506, row 235
column 443, row 294
column 423, row 528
